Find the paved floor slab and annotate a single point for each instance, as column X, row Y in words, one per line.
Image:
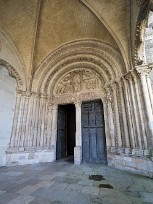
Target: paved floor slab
column 63, row 182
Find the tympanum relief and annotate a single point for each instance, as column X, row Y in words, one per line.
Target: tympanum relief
column 78, row 81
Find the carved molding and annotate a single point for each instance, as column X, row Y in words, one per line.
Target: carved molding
column 13, row 73
column 74, row 98
column 140, row 30
column 144, row 70
column 138, row 70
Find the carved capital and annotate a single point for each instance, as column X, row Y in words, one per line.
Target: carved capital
column 108, row 94
column 54, row 107
column 27, row 93
column 36, row 95
column 140, row 2
column 78, row 104
column 144, row 70
column 19, row 93
column 44, row 96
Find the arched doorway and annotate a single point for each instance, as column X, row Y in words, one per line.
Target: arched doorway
column 7, row 106
column 80, row 128
column 87, row 70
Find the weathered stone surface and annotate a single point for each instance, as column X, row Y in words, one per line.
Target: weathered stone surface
column 62, row 191
column 149, row 40
column 7, row 107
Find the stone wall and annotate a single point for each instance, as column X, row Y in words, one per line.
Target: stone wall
column 149, row 43
column 149, row 40
column 7, row 106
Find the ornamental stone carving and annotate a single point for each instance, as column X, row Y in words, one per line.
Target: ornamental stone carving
column 78, row 81
column 0, row 46
column 140, row 2
column 13, row 73
column 140, row 30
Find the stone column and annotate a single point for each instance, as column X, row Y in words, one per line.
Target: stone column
column 49, row 124
column 15, row 120
column 54, row 130
column 128, row 111
column 35, row 120
column 20, row 121
column 140, row 115
column 118, row 139
column 107, row 123
column 150, row 90
column 30, row 127
column 25, row 120
column 108, row 102
column 78, row 136
column 143, row 72
column 125, row 125
column 43, row 113
column 134, row 111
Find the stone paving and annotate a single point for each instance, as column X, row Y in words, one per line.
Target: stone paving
column 62, row 182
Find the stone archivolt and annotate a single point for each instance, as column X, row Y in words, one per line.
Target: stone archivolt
column 93, row 52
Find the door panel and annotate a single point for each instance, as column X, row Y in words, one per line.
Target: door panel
column 61, row 133
column 93, row 132
column 86, row 148
column 93, row 145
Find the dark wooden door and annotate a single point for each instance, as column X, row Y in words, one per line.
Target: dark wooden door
column 93, row 133
column 61, row 133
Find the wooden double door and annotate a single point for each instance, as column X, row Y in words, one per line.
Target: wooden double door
column 93, row 132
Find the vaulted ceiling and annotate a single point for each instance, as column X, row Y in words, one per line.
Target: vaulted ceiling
column 38, row 27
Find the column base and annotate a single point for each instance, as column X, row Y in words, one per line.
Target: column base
column 133, row 160
column 18, row 157
column 77, row 155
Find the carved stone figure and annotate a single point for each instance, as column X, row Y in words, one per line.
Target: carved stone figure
column 78, row 81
